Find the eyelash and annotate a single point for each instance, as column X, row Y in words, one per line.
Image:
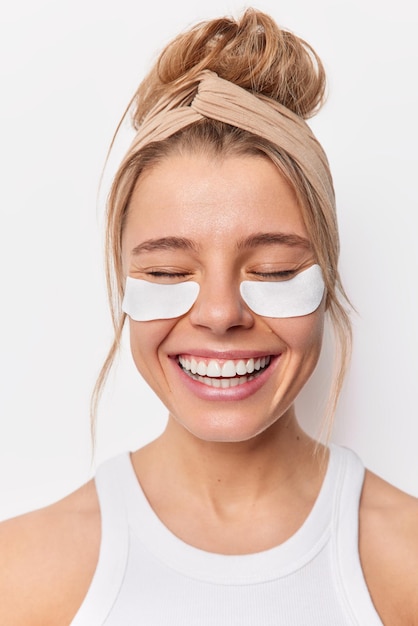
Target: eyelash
column 157, row 274
column 282, row 274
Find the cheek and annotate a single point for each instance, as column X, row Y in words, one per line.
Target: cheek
column 146, row 338
column 302, row 334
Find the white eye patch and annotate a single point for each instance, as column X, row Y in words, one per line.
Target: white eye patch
column 295, row 297
column 144, row 301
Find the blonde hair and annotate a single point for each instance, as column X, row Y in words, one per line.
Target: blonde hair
column 254, row 53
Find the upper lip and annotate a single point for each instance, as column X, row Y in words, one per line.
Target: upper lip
column 226, row 354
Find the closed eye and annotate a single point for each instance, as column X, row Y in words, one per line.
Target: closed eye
column 174, row 274
column 167, row 275
column 280, row 275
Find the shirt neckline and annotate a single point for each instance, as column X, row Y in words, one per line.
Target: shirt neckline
column 252, row 568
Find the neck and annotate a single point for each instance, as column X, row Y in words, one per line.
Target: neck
column 232, row 498
column 218, row 471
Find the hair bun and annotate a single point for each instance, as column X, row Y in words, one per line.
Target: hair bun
column 252, row 52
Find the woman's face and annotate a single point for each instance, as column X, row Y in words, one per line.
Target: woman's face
column 219, row 221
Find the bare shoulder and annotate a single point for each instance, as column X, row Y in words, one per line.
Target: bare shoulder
column 389, row 550
column 45, row 552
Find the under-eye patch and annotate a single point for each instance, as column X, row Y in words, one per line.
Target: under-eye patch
column 295, row 297
column 144, row 301
column 300, row 295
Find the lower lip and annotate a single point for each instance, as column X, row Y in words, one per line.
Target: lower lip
column 239, row 392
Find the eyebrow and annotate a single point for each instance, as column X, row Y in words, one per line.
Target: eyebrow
column 165, row 243
column 253, row 241
column 263, row 239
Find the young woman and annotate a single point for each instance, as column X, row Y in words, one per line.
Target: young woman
column 222, row 250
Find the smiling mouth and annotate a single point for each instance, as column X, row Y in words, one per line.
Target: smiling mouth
column 226, row 374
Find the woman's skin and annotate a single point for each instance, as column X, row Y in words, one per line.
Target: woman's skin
column 233, row 472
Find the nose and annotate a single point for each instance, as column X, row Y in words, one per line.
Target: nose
column 220, row 308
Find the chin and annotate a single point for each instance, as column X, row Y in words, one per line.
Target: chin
column 230, row 429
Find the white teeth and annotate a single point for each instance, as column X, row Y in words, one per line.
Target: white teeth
column 240, row 367
column 228, row 369
column 213, row 370
column 223, row 383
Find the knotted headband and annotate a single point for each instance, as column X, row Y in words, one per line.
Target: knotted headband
column 209, row 96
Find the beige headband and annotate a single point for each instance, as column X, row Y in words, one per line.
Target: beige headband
column 210, row 96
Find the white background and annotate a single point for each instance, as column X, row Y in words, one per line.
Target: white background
column 68, row 69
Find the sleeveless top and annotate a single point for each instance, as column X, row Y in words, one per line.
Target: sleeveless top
column 146, row 576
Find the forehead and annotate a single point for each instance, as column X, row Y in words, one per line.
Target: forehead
column 212, row 200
